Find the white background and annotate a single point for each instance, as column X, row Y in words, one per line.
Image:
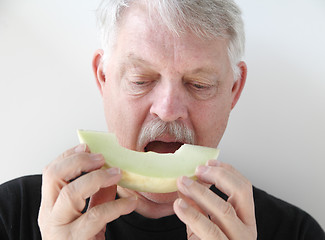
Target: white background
column 276, row 134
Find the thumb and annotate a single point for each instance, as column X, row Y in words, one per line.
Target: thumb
column 101, row 234
column 190, row 234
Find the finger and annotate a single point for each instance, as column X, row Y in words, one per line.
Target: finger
column 79, row 148
column 238, row 189
column 57, row 174
column 217, row 163
column 201, row 226
column 191, row 202
column 101, row 234
column 71, row 200
column 94, row 220
column 223, row 212
column 74, row 164
column 102, row 196
column 190, row 234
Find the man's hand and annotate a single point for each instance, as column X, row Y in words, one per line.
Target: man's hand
column 63, row 200
column 208, row 216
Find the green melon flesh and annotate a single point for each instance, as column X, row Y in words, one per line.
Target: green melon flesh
column 148, row 171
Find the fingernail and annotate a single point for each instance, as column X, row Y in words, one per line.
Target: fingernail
column 214, row 163
column 200, row 170
column 113, row 171
column 80, row 148
column 133, row 198
column 96, row 156
column 187, row 181
column 182, row 203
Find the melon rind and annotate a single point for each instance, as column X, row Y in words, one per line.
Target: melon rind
column 148, row 171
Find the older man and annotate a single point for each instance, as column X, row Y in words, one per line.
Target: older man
column 174, row 65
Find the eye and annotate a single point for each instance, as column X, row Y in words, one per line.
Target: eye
column 139, row 83
column 199, row 86
column 201, row 90
column 139, row 86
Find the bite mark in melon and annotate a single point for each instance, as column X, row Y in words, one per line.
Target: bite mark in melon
column 148, row 171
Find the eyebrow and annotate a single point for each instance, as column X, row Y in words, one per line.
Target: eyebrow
column 133, row 60
column 204, row 70
column 209, row 73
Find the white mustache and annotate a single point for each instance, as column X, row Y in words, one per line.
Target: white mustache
column 157, row 128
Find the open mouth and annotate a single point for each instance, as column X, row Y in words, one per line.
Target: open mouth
column 163, row 147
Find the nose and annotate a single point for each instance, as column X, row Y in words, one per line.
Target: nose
column 169, row 103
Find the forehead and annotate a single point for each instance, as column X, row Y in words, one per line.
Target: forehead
column 144, row 37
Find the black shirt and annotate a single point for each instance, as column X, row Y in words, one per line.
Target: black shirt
column 276, row 219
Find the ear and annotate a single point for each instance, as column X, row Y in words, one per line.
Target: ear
column 98, row 70
column 239, row 84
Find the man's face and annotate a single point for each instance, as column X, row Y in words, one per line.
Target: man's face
column 152, row 74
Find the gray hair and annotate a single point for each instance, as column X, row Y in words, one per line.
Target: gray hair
column 157, row 127
column 208, row 19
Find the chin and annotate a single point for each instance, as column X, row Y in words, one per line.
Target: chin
column 160, row 198
column 152, row 205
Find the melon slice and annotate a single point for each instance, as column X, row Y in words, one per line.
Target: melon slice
column 148, row 171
